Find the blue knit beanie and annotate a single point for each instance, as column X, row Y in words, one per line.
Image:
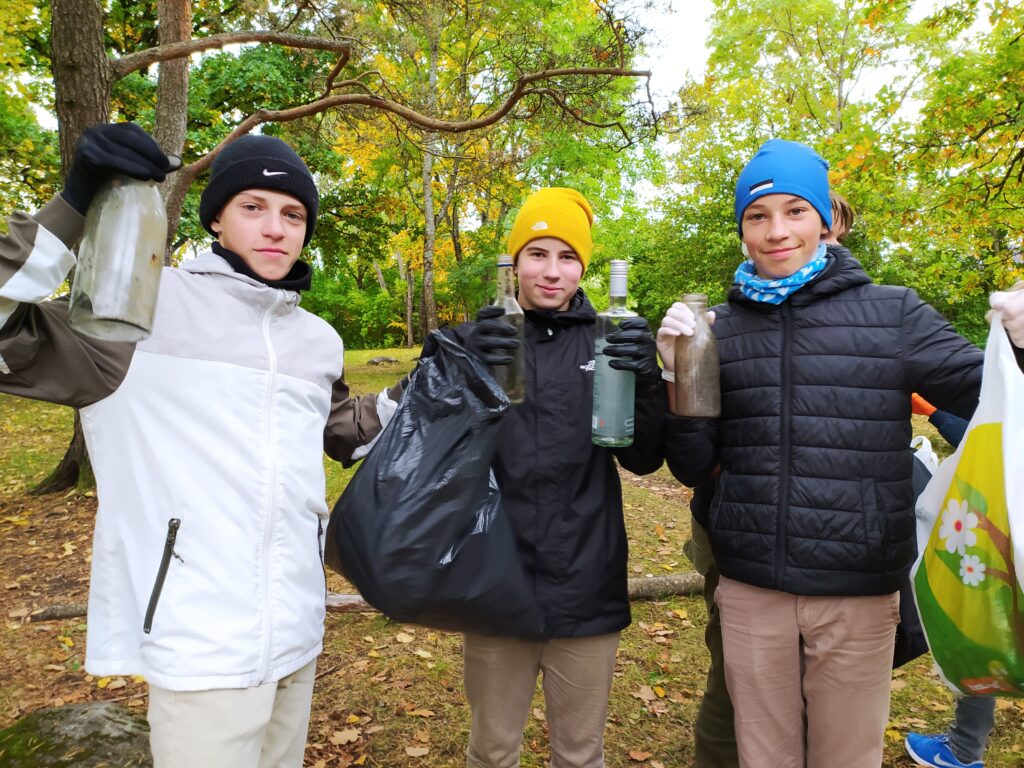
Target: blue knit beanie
column 784, row 167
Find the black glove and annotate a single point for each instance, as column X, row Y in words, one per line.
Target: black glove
column 108, row 149
column 492, row 339
column 632, row 345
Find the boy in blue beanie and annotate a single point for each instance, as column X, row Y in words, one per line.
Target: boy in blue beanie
column 207, row 440
column 811, row 520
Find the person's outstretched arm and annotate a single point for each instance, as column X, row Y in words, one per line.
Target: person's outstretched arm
column 40, row 356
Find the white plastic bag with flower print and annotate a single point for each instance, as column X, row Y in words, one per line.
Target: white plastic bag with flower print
column 970, row 535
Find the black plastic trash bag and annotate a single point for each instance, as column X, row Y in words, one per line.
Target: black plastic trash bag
column 420, row 530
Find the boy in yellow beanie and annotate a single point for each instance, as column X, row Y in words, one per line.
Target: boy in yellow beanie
column 561, row 493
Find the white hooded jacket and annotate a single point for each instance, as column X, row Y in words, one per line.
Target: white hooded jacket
column 207, row 441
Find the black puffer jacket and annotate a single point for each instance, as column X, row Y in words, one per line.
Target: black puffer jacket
column 815, row 495
column 562, row 491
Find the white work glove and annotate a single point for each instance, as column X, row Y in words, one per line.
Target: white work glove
column 1011, row 304
column 678, row 321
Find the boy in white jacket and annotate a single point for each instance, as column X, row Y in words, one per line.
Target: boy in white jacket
column 207, row 441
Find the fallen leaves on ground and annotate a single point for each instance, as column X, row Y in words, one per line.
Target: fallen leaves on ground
column 346, row 736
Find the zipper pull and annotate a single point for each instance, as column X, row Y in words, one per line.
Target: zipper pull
column 172, row 535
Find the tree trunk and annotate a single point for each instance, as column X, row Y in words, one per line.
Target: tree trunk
column 406, row 273
column 82, row 83
column 171, row 121
column 82, row 76
column 453, row 226
column 73, row 469
column 410, row 289
column 429, row 303
column 453, row 221
column 380, row 277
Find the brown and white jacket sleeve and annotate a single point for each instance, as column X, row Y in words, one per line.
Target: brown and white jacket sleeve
column 40, row 357
column 355, row 423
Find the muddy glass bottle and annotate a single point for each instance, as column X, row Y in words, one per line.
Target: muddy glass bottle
column 511, row 377
column 697, row 388
column 612, row 421
column 117, row 278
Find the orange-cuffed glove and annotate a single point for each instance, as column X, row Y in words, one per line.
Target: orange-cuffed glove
column 920, row 406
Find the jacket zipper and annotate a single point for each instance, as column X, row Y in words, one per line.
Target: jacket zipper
column 786, row 449
column 320, row 549
column 165, row 561
column 270, row 438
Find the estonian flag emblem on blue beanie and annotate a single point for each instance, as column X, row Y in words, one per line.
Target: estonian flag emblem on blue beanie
column 784, row 167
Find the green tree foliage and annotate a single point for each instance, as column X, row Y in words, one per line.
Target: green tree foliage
column 27, row 164
column 932, row 159
column 460, row 60
column 938, row 194
column 967, row 160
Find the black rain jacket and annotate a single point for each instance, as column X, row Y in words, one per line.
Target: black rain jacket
column 561, row 491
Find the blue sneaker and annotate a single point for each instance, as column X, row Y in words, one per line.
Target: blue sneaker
column 935, row 751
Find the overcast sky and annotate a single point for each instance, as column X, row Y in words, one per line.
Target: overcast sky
column 679, row 32
column 676, row 45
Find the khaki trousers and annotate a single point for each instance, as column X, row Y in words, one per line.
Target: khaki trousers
column 808, row 676
column 263, row 726
column 500, row 676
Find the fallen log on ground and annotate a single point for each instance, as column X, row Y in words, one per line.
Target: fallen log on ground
column 650, row 588
column 55, row 612
column 654, row 587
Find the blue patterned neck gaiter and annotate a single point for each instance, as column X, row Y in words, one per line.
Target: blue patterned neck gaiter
column 769, row 291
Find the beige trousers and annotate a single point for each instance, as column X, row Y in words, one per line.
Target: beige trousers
column 263, row 726
column 500, row 675
column 808, row 676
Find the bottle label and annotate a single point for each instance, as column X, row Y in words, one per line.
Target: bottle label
column 612, row 415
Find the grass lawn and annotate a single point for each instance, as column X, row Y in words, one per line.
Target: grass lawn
column 389, row 694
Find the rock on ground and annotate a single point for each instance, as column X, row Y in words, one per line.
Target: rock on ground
column 98, row 734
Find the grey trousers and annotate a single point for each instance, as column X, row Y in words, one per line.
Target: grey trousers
column 500, row 676
column 972, row 724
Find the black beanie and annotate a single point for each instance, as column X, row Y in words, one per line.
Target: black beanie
column 258, row 162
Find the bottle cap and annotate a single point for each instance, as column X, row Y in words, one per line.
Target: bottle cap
column 617, row 283
column 699, row 299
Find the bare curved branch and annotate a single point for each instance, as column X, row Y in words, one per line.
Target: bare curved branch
column 559, row 99
column 519, row 91
column 335, row 71
column 136, row 61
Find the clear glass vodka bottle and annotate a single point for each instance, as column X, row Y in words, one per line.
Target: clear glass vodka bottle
column 612, row 422
column 117, row 278
column 697, row 388
column 511, row 377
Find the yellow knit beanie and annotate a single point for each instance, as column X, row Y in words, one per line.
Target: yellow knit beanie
column 554, row 212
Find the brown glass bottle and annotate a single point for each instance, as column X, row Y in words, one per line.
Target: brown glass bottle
column 697, row 388
column 511, row 377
